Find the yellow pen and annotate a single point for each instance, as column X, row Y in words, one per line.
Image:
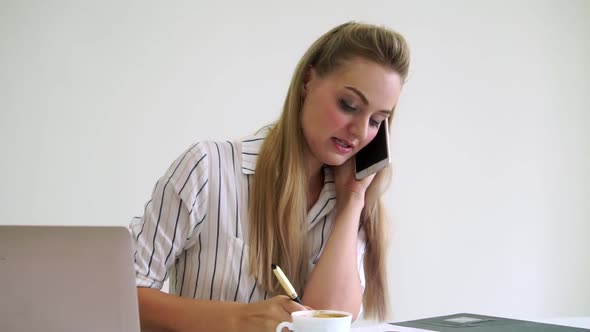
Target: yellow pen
column 285, row 283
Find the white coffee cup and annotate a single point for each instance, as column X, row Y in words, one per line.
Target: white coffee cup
column 318, row 321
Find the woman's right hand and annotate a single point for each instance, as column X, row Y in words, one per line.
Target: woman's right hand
column 264, row 316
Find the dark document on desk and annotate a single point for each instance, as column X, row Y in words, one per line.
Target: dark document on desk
column 465, row 322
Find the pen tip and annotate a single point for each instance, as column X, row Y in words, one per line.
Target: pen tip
column 273, row 266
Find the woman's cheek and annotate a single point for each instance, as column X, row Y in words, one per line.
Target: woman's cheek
column 336, row 117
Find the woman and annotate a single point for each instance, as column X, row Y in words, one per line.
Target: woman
column 225, row 211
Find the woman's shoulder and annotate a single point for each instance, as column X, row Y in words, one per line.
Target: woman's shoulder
column 240, row 152
column 248, row 142
column 250, row 148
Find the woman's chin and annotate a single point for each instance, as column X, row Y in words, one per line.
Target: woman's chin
column 335, row 160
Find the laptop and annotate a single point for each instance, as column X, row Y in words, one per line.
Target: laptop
column 67, row 278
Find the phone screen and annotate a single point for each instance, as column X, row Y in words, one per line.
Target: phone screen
column 375, row 155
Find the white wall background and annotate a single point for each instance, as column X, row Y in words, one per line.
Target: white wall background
column 491, row 196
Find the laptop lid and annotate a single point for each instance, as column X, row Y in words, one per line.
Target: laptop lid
column 67, row 278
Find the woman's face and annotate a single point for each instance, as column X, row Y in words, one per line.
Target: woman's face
column 342, row 111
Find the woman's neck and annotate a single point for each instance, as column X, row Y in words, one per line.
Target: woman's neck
column 315, row 181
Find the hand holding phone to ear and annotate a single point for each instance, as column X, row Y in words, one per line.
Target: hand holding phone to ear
column 355, row 175
column 374, row 156
column 348, row 188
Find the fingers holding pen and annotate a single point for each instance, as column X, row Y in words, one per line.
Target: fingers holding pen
column 266, row 315
column 290, row 306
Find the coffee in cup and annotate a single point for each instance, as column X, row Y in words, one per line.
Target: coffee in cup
column 318, row 321
column 328, row 314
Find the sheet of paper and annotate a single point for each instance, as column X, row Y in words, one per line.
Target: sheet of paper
column 384, row 327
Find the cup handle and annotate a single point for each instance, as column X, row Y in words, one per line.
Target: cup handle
column 284, row 324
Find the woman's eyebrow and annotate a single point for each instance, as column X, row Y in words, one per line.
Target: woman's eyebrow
column 364, row 98
column 359, row 93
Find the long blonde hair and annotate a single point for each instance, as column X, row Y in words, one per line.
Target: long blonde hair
column 278, row 201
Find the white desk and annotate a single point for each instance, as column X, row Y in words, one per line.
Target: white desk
column 581, row 322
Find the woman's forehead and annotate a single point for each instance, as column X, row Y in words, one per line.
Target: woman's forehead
column 380, row 85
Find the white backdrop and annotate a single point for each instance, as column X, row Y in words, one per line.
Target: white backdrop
column 491, row 195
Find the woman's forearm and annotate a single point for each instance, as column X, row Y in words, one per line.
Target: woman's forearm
column 334, row 282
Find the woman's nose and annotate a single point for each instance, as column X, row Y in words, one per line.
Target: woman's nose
column 359, row 128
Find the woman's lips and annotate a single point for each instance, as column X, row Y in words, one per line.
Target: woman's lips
column 342, row 146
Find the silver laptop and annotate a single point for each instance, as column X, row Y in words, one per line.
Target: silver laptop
column 67, row 278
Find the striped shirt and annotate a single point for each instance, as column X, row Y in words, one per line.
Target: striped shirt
column 194, row 228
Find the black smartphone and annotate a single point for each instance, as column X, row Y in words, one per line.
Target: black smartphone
column 375, row 156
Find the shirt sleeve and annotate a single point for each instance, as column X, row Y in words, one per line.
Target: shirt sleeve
column 172, row 218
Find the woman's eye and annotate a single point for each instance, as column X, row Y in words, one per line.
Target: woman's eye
column 374, row 123
column 346, row 106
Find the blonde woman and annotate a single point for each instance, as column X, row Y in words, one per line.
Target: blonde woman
column 225, row 211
